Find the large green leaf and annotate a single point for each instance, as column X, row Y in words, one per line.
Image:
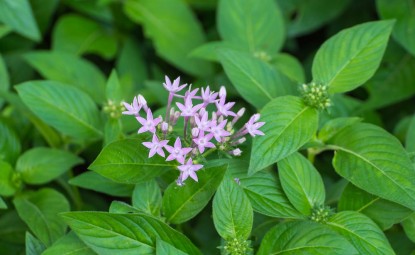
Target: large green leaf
column 3, row 204
column 351, row 57
column 374, row 160
column 256, row 81
column 289, row 124
column 381, row 211
column 69, row 69
column 304, row 237
column 39, row 210
column 18, row 15
column 255, row 27
column 181, row 203
column 175, row 33
column 361, row 232
column 43, row 10
column 146, row 197
column 69, row 244
column 41, row 165
column 409, row 227
column 65, row 108
column 163, row 248
column 125, row 233
column 127, row 161
column 78, row 35
column 402, row 12
column 8, row 185
column 289, row 66
column 33, row 245
column 333, row 126
column 301, row 182
column 232, row 212
column 4, row 78
column 9, row 143
column 410, row 136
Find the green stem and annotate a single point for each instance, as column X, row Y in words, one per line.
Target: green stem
column 208, row 152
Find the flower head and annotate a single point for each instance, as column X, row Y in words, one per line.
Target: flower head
column 218, row 130
column 155, row 146
column 208, row 96
column 149, row 124
column 203, row 141
column 202, row 121
column 132, row 109
column 173, row 87
column 189, row 169
column 177, row 152
column 252, row 125
column 188, row 110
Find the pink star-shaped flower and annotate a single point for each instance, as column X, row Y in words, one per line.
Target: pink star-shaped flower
column 189, row 169
column 208, row 96
column 188, row 110
column 132, row 109
column 149, row 124
column 203, row 141
column 224, row 109
column 155, row 146
column 218, row 131
column 202, row 121
column 252, row 125
column 173, row 87
column 177, row 152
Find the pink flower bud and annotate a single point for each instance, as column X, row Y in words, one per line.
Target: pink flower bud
column 222, row 92
column 164, row 126
column 195, row 132
column 241, row 112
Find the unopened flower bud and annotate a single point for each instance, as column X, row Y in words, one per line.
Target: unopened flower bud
column 195, row 132
column 141, row 100
column 236, row 152
column 256, row 117
column 222, row 92
column 221, row 119
column 241, row 112
column 164, row 126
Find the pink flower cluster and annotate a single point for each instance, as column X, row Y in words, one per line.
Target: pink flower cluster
column 203, row 132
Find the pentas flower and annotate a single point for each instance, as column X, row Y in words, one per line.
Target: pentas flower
column 188, row 110
column 225, row 108
column 203, row 141
column 208, row 96
column 177, row 152
column 149, row 124
column 218, row 131
column 155, row 146
column 202, row 121
column 173, row 87
column 252, row 125
column 189, row 169
column 132, row 109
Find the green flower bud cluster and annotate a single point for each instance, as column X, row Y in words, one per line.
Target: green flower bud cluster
column 113, row 109
column 236, row 246
column 321, row 213
column 263, row 56
column 316, row 95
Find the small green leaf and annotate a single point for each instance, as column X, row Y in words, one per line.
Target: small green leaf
column 127, row 161
column 3, row 204
column 71, row 70
column 9, row 143
column 289, row 66
column 18, row 15
column 78, row 35
column 33, row 245
column 255, row 27
column 4, row 30
column 93, row 181
column 374, row 160
column 361, row 232
column 39, row 210
column 41, row 165
column 289, row 124
column 304, row 237
column 4, row 78
column 122, row 207
column 301, row 182
column 208, row 51
column 113, row 88
column 7, row 185
column 410, row 136
column 69, row 244
column 333, row 126
column 127, row 233
column 181, row 203
column 163, row 248
column 169, row 29
column 147, row 197
column 351, row 57
column 409, row 227
column 232, row 212
column 65, row 108
column 256, row 81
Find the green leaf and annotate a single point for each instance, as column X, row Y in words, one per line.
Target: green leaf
column 163, row 248
column 182, row 203
column 69, row 244
column 147, row 197
column 127, row 161
column 301, row 182
column 208, row 51
column 232, row 212
column 304, row 237
column 374, row 160
column 3, row 204
column 18, row 16
column 351, row 57
column 381, row 211
column 33, row 246
column 333, row 126
column 39, row 210
column 9, row 143
column 127, row 233
column 409, row 227
column 65, row 108
column 4, row 30
column 41, row 165
column 289, row 66
column 361, row 232
column 78, row 35
column 71, row 70
column 410, row 136
column 171, row 31
column 255, row 27
column 12, row 228
column 289, row 124
column 122, row 207
column 43, row 10
column 93, row 181
column 4, row 78
column 8, row 185
column 256, row 81
column 401, row 11
column 113, row 90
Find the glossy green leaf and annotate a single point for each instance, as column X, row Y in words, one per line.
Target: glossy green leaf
column 289, row 124
column 289, row 66
column 41, row 165
column 374, row 160
column 181, row 203
column 91, row 8
column 113, row 89
column 409, row 227
column 401, row 11
column 208, row 51
column 19, row 16
column 410, row 136
column 43, row 10
column 9, row 143
column 4, row 78
column 381, row 211
column 12, row 228
column 128, row 233
column 304, row 237
column 170, row 31
column 122, row 207
column 255, row 27
column 333, row 126
column 69, row 244
column 256, row 81
column 232, row 212
column 65, row 108
column 127, row 161
column 3, row 204
column 351, row 57
column 78, row 35
column 301, row 182
column 33, row 245
column 93, row 181
column 69, row 69
column 163, row 248
column 361, row 232
column 8, row 185
column 39, row 210
column 147, row 197
column 4, row 30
